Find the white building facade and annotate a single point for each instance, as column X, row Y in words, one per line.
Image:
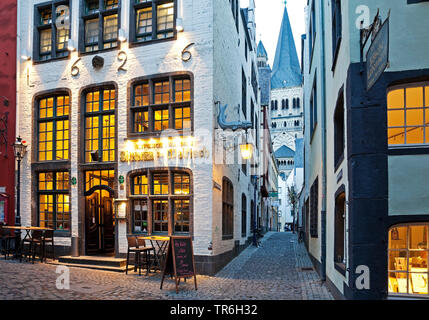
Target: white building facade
column 122, row 123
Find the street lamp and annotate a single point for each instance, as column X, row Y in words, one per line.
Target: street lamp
column 19, row 149
column 247, row 153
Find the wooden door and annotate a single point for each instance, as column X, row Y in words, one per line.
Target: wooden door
column 108, row 225
column 92, row 218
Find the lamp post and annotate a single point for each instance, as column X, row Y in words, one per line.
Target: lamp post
column 247, row 153
column 19, row 149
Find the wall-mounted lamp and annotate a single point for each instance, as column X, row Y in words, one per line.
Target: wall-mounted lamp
column 179, row 25
column 70, row 45
column 25, row 56
column 121, row 35
column 246, row 151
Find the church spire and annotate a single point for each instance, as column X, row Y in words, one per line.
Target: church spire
column 286, row 69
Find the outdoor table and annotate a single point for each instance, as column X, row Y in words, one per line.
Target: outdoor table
column 160, row 248
column 27, row 235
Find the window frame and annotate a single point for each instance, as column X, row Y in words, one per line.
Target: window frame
column 340, row 233
column 151, row 197
column 99, row 114
column 424, row 108
column 38, row 27
column 314, row 209
column 171, row 105
column 337, row 30
column 134, row 7
column 407, row 250
column 100, row 15
column 54, row 192
column 339, row 131
column 54, row 119
column 227, row 209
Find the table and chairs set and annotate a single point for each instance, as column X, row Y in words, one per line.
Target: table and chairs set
column 152, row 256
column 35, row 242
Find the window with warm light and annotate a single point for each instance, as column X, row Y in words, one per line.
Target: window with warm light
column 100, row 125
column 408, row 115
column 95, row 178
column 51, row 41
column 161, row 201
column 153, row 19
column 100, row 20
column 54, row 200
column 161, row 104
column 53, row 129
column 408, row 259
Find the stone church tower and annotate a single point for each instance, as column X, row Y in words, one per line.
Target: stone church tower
column 287, row 112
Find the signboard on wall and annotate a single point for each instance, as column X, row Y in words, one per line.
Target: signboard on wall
column 377, row 58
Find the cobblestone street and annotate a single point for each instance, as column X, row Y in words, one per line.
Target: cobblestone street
column 274, row 271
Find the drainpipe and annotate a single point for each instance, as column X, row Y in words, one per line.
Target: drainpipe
column 323, row 91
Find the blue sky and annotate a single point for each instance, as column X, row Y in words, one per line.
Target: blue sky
column 269, row 15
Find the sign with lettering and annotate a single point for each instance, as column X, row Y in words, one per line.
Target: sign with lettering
column 377, row 58
column 180, row 261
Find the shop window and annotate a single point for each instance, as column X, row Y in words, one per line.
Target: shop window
column 408, row 115
column 314, row 209
column 155, row 205
column 51, row 41
column 243, row 215
column 53, row 131
column 3, row 210
column 54, row 200
column 408, row 259
column 100, row 125
column 340, row 231
column 227, row 209
column 339, row 131
column 154, row 19
column 100, row 19
column 154, row 108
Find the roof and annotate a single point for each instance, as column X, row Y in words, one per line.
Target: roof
column 286, row 69
column 261, row 52
column 284, row 152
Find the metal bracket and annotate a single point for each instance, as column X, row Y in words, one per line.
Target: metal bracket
column 234, row 125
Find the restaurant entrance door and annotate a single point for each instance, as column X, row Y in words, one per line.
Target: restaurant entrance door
column 99, row 223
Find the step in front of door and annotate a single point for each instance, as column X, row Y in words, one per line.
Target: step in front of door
column 94, row 261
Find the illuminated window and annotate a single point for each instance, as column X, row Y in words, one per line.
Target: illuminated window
column 161, row 104
column 153, row 20
column 408, row 259
column 100, row 125
column 408, row 115
column 96, row 178
column 155, row 204
column 227, row 209
column 101, row 21
column 51, row 39
column 54, row 200
column 53, row 128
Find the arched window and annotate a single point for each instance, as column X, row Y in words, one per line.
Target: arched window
column 408, row 259
column 276, row 103
column 406, row 107
column 294, row 103
column 152, row 200
column 340, row 230
column 287, row 103
column 227, row 209
column 285, row 124
column 339, row 130
column 283, row 104
column 298, row 103
column 243, row 215
column 272, row 104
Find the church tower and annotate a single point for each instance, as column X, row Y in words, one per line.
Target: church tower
column 287, row 113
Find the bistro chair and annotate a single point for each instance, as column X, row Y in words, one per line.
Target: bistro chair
column 48, row 238
column 138, row 247
column 35, row 240
column 6, row 239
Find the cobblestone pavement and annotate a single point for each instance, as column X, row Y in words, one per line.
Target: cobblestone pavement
column 270, row 272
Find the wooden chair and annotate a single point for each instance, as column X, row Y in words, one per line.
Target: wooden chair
column 35, row 240
column 48, row 238
column 6, row 240
column 138, row 247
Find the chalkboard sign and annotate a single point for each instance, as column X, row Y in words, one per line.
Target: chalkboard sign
column 180, row 260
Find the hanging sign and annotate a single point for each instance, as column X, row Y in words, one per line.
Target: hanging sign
column 180, row 261
column 377, row 58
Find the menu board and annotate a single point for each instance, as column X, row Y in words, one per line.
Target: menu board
column 180, row 260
